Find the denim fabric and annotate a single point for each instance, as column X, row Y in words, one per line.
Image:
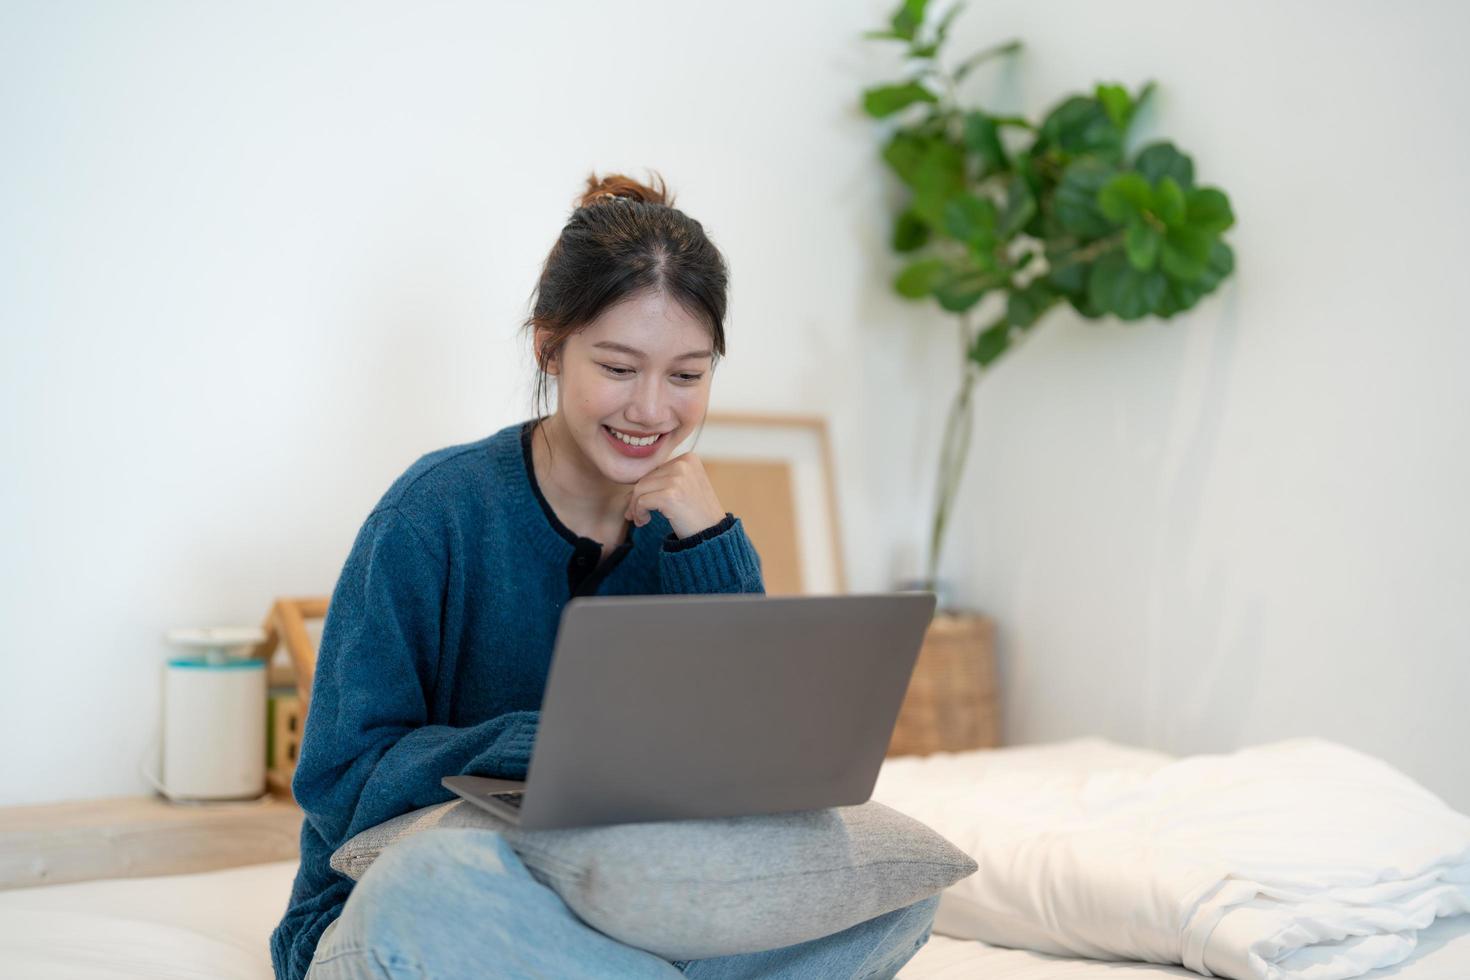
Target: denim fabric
column 459, row 903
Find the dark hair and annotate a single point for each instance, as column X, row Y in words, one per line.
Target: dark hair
column 623, row 239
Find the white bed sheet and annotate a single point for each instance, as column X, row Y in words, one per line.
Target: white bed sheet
column 217, row 925
column 1443, row 953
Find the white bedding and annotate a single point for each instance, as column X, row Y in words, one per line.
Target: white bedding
column 217, row 924
column 1300, row 860
column 1443, row 953
column 176, row 927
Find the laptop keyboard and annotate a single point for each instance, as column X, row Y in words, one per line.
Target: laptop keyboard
column 512, row 799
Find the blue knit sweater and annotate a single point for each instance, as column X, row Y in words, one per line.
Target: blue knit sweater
column 437, row 643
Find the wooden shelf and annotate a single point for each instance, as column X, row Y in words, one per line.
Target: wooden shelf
column 139, row 836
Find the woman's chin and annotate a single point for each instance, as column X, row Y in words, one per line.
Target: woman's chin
column 629, row 471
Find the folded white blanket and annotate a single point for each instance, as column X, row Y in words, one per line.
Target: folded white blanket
column 1298, row 860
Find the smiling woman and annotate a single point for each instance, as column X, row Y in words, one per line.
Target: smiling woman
column 632, row 385
column 629, row 322
column 438, row 638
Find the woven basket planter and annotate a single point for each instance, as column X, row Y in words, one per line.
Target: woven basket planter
column 952, row 700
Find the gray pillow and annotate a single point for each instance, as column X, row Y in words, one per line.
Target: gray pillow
column 691, row 889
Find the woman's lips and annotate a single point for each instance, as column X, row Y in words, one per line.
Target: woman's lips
column 635, row 452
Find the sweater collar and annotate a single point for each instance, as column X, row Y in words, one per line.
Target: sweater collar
column 518, row 479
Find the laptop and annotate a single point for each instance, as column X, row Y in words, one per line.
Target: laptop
column 674, row 707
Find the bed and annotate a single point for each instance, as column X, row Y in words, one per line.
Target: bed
column 216, row 924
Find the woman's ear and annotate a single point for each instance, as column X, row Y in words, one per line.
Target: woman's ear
column 543, row 338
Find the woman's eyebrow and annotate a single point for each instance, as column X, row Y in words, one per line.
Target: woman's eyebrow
column 635, row 352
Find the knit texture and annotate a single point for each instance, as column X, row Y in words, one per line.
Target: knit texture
column 436, row 648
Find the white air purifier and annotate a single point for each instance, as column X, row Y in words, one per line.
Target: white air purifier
column 214, row 714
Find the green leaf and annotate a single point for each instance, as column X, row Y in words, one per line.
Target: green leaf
column 1024, row 306
column 984, row 258
column 1124, row 197
column 1080, row 126
column 909, row 232
column 1020, row 207
column 1167, row 201
column 941, row 31
column 970, row 219
column 1065, row 275
column 1184, row 295
column 1118, row 288
column 1208, row 210
column 907, row 18
column 990, row 344
column 885, row 100
column 1142, row 246
column 904, row 153
column 1159, row 160
column 1076, row 201
column 962, row 290
column 1084, row 305
column 983, row 138
column 1185, row 253
column 1143, row 96
column 918, row 279
column 940, row 175
column 1117, row 103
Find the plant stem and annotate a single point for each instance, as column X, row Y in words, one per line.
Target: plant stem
column 953, row 450
column 955, row 447
column 1092, row 250
column 963, row 69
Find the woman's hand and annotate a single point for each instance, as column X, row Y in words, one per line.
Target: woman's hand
column 681, row 491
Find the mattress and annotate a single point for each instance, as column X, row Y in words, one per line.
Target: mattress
column 217, row 925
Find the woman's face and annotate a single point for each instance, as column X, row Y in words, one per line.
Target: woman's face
column 641, row 368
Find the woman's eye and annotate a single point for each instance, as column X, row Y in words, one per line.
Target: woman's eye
column 621, row 372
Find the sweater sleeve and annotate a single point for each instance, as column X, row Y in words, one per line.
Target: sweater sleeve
column 720, row 558
column 368, row 753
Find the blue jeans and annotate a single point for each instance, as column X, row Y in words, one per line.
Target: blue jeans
column 457, row 902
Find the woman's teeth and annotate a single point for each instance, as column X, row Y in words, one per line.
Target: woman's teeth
column 650, row 440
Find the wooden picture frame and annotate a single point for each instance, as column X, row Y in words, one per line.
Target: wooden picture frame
column 775, row 473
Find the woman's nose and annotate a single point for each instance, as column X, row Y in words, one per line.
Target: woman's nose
column 647, row 408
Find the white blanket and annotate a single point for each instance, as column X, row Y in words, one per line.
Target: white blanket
column 1298, row 860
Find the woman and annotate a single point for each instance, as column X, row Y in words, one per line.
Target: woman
column 436, row 647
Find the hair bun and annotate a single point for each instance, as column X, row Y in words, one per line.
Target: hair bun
column 614, row 186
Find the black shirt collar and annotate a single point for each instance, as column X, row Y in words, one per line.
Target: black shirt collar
column 584, row 574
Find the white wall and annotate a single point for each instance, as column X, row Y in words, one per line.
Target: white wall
column 253, row 263
column 1249, row 523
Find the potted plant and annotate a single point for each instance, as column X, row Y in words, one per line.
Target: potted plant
column 1063, row 211
column 1071, row 216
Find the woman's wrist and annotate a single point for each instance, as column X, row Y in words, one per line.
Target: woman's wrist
column 677, row 542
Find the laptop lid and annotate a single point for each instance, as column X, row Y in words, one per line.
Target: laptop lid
column 685, row 706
